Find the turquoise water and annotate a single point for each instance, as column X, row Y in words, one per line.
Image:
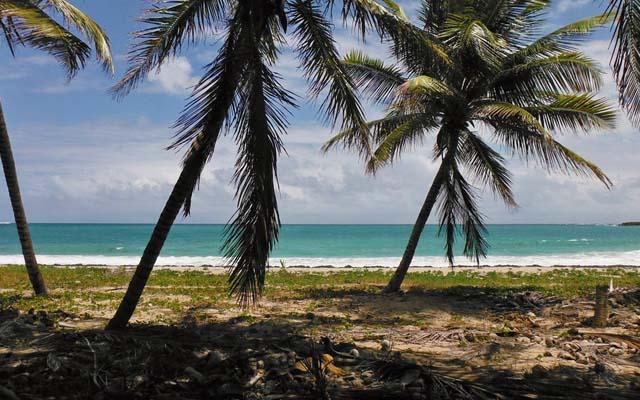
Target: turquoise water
column 338, row 245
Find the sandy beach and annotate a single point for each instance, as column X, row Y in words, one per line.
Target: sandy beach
column 512, row 331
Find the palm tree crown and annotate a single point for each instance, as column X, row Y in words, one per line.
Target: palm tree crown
column 240, row 94
column 474, row 71
column 32, row 23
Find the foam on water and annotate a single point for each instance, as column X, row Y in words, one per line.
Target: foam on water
column 588, row 258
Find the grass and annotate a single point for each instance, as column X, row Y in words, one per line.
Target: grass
column 82, row 289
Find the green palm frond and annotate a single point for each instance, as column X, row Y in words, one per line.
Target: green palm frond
column 515, row 20
column 434, row 13
column 253, row 231
column 363, row 13
column 419, row 52
column 324, row 69
column 397, row 133
column 564, row 39
column 573, row 113
column 425, row 86
column 379, row 128
column 169, row 27
column 626, row 54
column 76, row 18
column 373, row 77
column 495, row 112
column 24, row 23
column 396, row 9
column 471, row 38
column 487, row 165
column 566, row 72
column 530, row 145
column 457, row 206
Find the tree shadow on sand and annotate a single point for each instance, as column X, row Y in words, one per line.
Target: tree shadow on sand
column 460, row 300
column 243, row 358
column 238, row 359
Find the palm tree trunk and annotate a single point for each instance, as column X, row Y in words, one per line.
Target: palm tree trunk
column 171, row 209
column 9, row 166
column 398, row 276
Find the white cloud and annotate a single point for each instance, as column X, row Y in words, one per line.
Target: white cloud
column 118, row 171
column 566, row 5
column 174, row 77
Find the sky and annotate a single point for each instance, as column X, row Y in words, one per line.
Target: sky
column 84, row 157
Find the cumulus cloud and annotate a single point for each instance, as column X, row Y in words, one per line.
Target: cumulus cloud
column 567, row 5
column 174, row 77
column 96, row 175
column 115, row 169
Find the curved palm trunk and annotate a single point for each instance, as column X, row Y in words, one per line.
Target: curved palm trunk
column 180, row 191
column 398, row 276
column 19, row 215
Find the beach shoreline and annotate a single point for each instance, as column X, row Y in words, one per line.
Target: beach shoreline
column 216, row 269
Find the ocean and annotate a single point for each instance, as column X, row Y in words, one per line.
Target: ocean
column 327, row 245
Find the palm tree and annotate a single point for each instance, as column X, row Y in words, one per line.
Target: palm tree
column 239, row 93
column 28, row 23
column 495, row 80
column 626, row 55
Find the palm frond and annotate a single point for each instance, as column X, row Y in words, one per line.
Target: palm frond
column 531, row 145
column 514, row 20
column 381, row 128
column 397, row 133
column 259, row 122
column 373, row 77
column 471, row 38
column 457, row 206
column 564, row 39
column 487, row 165
column 581, row 112
column 170, row 27
column 434, row 13
column 76, row 18
column 28, row 24
column 323, row 68
column 626, row 55
column 566, row 72
column 497, row 113
column 211, row 102
column 425, row 85
column 396, row 9
column 9, row 33
column 419, row 51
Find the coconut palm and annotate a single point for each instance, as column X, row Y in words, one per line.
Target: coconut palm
column 31, row 23
column 499, row 85
column 626, row 55
column 240, row 94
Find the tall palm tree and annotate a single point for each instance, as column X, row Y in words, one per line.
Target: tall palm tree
column 626, row 55
column 240, row 94
column 31, row 23
column 496, row 80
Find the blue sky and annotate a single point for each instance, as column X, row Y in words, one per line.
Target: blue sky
column 84, row 157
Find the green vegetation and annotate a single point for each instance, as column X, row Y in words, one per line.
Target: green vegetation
column 96, row 291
